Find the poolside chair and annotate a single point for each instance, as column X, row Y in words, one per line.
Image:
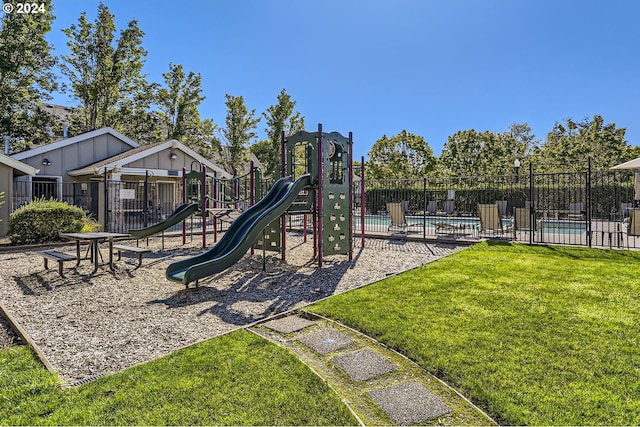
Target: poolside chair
column 449, row 207
column 502, row 207
column 432, row 207
column 451, row 228
column 633, row 223
column 490, row 219
column 576, row 211
column 624, row 209
column 399, row 219
column 522, row 221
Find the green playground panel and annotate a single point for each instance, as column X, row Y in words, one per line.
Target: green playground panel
column 335, row 189
column 272, row 237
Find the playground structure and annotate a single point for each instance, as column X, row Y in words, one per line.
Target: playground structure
column 207, row 196
column 316, row 179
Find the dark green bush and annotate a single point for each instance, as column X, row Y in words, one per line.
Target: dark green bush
column 43, row 220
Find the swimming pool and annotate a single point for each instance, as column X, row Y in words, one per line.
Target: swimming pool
column 382, row 223
column 562, row 226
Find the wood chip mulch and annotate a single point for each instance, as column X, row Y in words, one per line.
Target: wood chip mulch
column 92, row 324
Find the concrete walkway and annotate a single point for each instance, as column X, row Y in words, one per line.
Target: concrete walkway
column 380, row 386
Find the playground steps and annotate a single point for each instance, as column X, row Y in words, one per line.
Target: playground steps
column 380, row 386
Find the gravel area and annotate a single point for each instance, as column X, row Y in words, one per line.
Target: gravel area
column 7, row 336
column 89, row 325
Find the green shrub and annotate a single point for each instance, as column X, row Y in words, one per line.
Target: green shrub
column 43, row 220
column 91, row 225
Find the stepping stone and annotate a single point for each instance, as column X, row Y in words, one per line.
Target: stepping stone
column 288, row 324
column 326, row 341
column 364, row 365
column 409, row 403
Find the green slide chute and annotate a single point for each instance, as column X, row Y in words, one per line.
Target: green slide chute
column 181, row 213
column 241, row 233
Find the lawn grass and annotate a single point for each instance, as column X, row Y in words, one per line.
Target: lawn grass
column 236, row 379
column 534, row 335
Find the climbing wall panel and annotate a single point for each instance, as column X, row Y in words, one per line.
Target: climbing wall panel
column 336, row 203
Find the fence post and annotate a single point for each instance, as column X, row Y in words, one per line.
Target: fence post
column 106, row 201
column 424, row 209
column 362, row 203
column 589, row 202
column 145, row 210
column 532, row 208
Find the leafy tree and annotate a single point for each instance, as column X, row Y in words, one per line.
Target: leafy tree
column 26, row 76
column 105, row 73
column 402, row 156
column 178, row 104
column 133, row 118
column 471, row 153
column 631, row 153
column 520, row 141
column 279, row 117
column 568, row 146
column 463, row 153
column 238, row 132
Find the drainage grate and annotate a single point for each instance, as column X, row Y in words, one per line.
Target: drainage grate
column 86, row 380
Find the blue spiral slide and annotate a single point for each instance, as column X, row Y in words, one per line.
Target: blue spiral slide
column 242, row 233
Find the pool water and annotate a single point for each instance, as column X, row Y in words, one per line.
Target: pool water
column 382, row 222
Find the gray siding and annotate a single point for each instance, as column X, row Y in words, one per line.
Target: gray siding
column 6, row 186
column 77, row 155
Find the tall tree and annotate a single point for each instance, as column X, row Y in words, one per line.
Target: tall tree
column 568, row 146
column 105, row 72
column 26, row 76
column 402, row 156
column 178, row 102
column 238, row 132
column 278, row 117
column 472, row 153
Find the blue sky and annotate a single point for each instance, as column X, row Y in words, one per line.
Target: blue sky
column 376, row 67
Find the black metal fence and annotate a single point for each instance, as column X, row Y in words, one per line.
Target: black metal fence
column 582, row 208
column 84, row 195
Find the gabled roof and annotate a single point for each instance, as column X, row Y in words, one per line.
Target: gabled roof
column 69, row 141
column 18, row 165
column 120, row 160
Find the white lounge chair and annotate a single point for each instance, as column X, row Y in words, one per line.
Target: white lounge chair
column 432, row 207
column 576, row 211
column 624, row 209
column 449, row 207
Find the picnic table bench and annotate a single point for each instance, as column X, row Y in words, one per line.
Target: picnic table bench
column 134, row 249
column 59, row 257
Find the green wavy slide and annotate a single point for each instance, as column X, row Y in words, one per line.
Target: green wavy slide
column 181, row 213
column 241, row 233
